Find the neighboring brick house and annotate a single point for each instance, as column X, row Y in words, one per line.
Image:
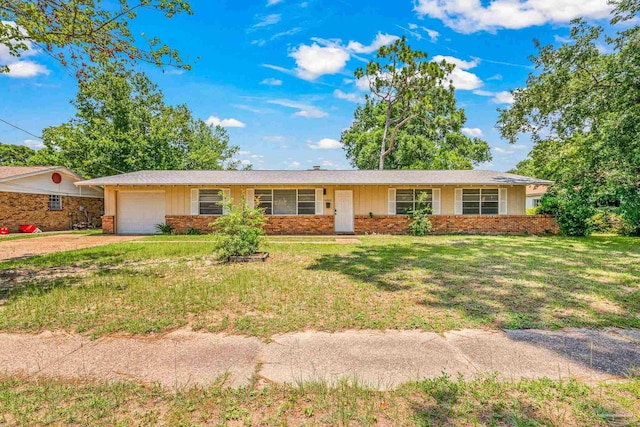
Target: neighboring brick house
column 322, row 201
column 47, row 197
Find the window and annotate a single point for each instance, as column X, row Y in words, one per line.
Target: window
column 209, row 202
column 55, row 202
column 266, row 200
column 536, row 202
column 287, row 202
column 408, row 200
column 480, row 201
column 284, row 202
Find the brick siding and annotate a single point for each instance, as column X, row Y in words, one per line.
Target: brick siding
column 275, row 224
column 17, row 209
column 469, row 224
column 380, row 224
column 108, row 224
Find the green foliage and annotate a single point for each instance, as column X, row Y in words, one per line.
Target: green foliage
column 588, row 101
column 165, row 229
column 607, row 221
column 532, row 211
column 79, row 32
column 420, row 223
column 240, row 231
column 15, row 155
column 193, row 231
column 572, row 208
column 418, row 145
column 123, row 125
column 409, row 119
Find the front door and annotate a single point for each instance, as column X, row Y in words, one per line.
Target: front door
column 344, row 211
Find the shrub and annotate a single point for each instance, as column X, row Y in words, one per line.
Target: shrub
column 606, row 221
column 164, row 228
column 240, row 231
column 532, row 211
column 420, row 223
column 575, row 212
column 193, row 231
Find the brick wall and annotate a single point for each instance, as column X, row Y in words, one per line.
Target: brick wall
column 470, row 224
column 275, row 224
column 382, row 224
column 22, row 208
column 181, row 223
column 108, row 224
column 320, row 224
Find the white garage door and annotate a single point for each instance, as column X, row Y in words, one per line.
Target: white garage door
column 140, row 211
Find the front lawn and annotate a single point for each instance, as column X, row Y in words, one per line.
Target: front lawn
column 434, row 283
column 433, row 402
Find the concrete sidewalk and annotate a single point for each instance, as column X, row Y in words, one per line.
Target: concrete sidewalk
column 378, row 359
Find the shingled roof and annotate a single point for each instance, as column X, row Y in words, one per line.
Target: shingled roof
column 14, row 172
column 315, row 177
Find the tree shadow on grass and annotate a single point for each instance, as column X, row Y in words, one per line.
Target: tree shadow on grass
column 506, row 282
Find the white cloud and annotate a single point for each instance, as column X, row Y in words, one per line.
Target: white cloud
column 304, row 110
column 561, row 39
column 413, row 26
column 351, row 97
column 468, row 16
column 271, row 82
column 267, row 21
column 243, row 153
column 378, row 42
column 276, row 138
column 325, row 144
column 433, row 34
column 473, row 132
column 25, row 69
column 315, row 60
column 495, row 77
column 462, row 79
column 225, row 123
column 33, row 143
column 503, row 97
column 502, row 150
column 294, row 165
column 245, row 162
column 273, row 2
column 519, row 147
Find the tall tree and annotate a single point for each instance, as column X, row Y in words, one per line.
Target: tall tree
column 582, row 108
column 123, row 125
column 409, row 118
column 78, row 32
column 15, row 155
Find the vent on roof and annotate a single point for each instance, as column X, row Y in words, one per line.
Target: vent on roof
column 316, row 168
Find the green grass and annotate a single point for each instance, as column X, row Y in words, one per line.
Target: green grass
column 435, row 402
column 435, row 283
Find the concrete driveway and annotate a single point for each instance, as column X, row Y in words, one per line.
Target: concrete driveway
column 25, row 248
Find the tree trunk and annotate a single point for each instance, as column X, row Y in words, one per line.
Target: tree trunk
column 383, row 145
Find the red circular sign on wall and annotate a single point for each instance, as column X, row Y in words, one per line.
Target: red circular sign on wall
column 56, row 178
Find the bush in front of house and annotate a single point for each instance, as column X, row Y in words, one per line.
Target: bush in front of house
column 420, row 223
column 240, row 232
column 165, row 229
column 573, row 210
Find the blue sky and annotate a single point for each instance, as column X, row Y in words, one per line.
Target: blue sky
column 278, row 74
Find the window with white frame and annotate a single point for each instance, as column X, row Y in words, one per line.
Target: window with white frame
column 287, row 202
column 408, row 200
column 55, row 202
column 209, row 202
column 480, row 201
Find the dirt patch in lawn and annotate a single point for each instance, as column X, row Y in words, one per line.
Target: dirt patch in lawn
column 26, row 248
